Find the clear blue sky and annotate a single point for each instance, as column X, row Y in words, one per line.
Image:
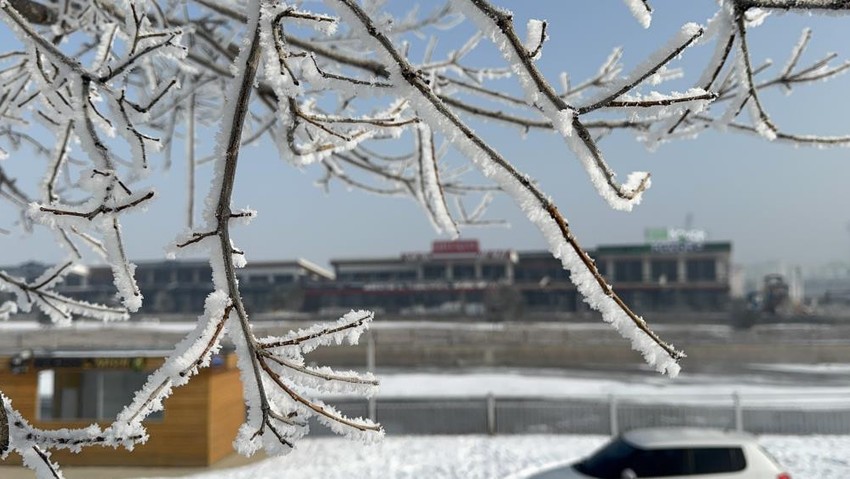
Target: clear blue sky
column 774, row 202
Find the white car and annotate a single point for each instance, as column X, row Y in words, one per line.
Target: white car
column 686, row 453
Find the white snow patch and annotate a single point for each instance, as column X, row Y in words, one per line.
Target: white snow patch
column 514, row 457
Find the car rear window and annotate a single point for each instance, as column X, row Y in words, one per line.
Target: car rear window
column 610, row 461
column 717, row 460
column 661, row 463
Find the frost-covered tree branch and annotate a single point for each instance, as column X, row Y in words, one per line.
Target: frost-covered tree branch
column 360, row 92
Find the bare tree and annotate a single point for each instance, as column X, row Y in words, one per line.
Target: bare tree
column 99, row 87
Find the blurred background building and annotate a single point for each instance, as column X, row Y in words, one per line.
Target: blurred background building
column 675, row 273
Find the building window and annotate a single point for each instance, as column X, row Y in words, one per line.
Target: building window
column 186, row 276
column 144, row 277
column 602, row 267
column 702, row 270
column 535, row 270
column 283, row 278
column 434, row 271
column 493, row 272
column 406, row 275
column 92, row 394
column 628, row 271
column 463, row 271
column 103, row 277
column 666, row 269
column 383, row 276
column 162, row 276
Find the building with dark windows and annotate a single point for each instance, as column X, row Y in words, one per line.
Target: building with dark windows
column 649, row 277
column 668, row 277
column 454, row 278
column 181, row 287
column 460, row 278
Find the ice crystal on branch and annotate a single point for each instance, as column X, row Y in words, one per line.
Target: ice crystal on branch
column 114, row 83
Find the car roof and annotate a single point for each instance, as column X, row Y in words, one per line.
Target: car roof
column 686, row 437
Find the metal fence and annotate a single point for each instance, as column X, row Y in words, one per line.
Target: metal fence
column 759, row 414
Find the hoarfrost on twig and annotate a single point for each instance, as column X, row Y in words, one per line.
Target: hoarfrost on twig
column 335, row 88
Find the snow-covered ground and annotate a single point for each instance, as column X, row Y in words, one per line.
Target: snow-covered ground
column 516, row 457
column 506, row 457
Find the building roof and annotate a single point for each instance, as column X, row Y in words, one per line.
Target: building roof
column 252, row 265
column 709, row 247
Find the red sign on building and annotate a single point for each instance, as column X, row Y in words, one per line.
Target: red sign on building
column 454, row 247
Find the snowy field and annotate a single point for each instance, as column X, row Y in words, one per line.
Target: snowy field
column 505, row 457
column 516, row 457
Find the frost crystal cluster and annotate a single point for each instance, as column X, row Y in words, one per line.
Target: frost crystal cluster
column 102, row 90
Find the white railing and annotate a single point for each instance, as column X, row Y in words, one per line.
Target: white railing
column 757, row 413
